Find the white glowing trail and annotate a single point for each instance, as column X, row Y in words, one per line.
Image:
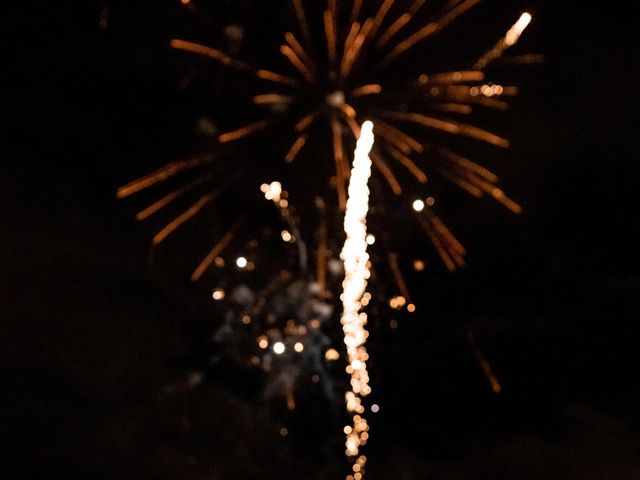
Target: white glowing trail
column 356, row 266
column 510, row 39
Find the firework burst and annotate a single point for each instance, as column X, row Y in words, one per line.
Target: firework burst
column 339, row 66
column 341, row 71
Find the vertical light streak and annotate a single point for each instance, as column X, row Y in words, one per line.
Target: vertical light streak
column 356, row 266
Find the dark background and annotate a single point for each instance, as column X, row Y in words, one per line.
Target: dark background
column 88, row 331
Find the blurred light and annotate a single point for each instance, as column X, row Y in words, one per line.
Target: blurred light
column 411, row 308
column 356, row 272
column 278, row 348
column 314, row 323
column 418, row 265
column 418, row 205
column 241, row 262
column 218, row 294
column 375, row 408
column 219, row 261
column 235, row 33
column 371, row 239
column 298, row 347
column 284, row 432
column 272, row 191
column 246, row 319
column 315, row 378
column 263, row 342
column 397, row 302
column 335, row 99
column 514, row 32
column 286, row 236
column 431, row 201
column 332, row 355
column 509, row 39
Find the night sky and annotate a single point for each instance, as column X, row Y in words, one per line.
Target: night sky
column 91, row 335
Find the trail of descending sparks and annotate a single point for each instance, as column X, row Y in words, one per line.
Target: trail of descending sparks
column 356, row 266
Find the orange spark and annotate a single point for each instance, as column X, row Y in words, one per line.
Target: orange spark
column 295, row 148
column 243, row 132
column 183, row 217
column 216, row 251
column 163, row 173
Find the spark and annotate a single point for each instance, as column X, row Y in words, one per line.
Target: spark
column 509, row 39
column 183, row 217
column 487, row 370
column 398, row 277
column 430, row 29
column 356, row 260
column 216, row 251
column 103, row 22
column 218, row 294
column 331, row 355
column 272, row 191
column 164, row 173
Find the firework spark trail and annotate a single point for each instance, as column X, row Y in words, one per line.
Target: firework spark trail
column 510, row 39
column 216, row 250
column 356, row 266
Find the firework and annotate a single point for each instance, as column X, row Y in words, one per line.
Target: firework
column 342, row 68
column 337, row 78
column 356, row 267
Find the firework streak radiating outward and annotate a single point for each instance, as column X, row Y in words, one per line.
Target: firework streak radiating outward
column 356, row 273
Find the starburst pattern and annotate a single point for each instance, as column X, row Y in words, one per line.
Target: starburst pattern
column 341, row 72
